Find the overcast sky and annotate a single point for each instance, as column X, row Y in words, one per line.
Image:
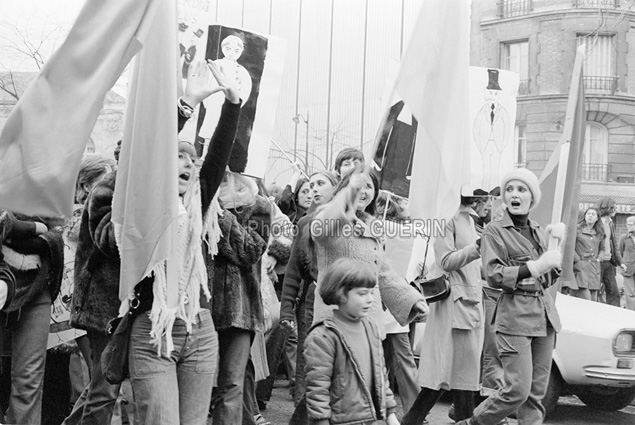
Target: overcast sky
column 45, row 22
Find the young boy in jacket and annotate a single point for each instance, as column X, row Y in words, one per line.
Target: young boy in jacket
column 344, row 342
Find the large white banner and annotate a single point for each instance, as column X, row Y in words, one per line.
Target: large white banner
column 492, row 117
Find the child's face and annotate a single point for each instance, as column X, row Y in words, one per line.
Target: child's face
column 358, row 302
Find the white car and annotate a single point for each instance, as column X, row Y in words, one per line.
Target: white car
column 594, row 356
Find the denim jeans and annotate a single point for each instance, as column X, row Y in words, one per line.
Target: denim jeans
column 96, row 403
column 234, row 349
column 527, row 363
column 176, row 389
column 29, row 337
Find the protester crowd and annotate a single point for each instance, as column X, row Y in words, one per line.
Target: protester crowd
column 299, row 277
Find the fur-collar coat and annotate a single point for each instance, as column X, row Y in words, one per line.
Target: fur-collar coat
column 96, row 293
column 234, row 273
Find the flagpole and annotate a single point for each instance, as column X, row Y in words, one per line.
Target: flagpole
column 289, row 158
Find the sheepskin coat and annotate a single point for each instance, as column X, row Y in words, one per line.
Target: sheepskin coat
column 234, row 273
column 96, row 293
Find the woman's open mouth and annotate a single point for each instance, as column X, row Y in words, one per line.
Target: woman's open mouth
column 185, row 177
column 515, row 204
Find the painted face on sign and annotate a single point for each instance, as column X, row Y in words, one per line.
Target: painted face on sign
column 232, row 47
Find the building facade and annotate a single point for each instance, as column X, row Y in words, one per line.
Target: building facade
column 538, row 39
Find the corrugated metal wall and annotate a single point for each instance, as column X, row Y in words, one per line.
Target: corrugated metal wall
column 338, row 54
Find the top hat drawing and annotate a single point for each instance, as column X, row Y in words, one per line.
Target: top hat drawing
column 493, row 80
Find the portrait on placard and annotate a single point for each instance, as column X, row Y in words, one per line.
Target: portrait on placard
column 255, row 63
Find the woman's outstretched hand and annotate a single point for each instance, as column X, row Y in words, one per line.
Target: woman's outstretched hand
column 226, row 84
column 198, row 86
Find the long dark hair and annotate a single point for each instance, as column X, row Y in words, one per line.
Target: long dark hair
column 346, row 179
column 597, row 226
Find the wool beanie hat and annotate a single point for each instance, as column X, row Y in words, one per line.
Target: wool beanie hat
column 527, row 177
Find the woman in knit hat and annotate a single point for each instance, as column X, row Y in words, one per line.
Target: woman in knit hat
column 516, row 259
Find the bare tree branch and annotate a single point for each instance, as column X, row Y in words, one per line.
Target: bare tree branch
column 7, row 85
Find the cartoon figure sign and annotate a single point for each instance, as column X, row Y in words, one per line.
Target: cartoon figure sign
column 493, row 116
column 256, row 63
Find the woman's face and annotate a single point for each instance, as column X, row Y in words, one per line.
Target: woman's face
column 305, row 197
column 517, row 197
column 366, row 193
column 483, row 206
column 186, row 172
column 322, row 189
column 591, row 217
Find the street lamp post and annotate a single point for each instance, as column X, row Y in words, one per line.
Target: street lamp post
column 296, row 120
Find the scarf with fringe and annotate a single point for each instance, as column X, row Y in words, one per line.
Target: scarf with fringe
column 192, row 273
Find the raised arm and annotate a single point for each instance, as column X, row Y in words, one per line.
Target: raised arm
column 337, row 213
column 219, row 150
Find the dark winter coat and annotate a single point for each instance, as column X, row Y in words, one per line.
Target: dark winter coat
column 586, row 259
column 96, row 293
column 234, row 273
column 5, row 271
column 17, row 242
column 335, row 389
column 300, row 272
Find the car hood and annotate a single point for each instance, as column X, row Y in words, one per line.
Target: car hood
column 587, row 317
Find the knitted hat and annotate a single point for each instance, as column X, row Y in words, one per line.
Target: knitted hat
column 527, row 177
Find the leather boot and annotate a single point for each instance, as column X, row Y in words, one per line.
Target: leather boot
column 426, row 399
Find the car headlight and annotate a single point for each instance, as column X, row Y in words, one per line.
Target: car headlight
column 624, row 343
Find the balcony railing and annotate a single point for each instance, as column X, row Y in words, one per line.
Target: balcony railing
column 595, row 172
column 607, row 85
column 511, row 8
column 523, row 88
column 594, row 4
